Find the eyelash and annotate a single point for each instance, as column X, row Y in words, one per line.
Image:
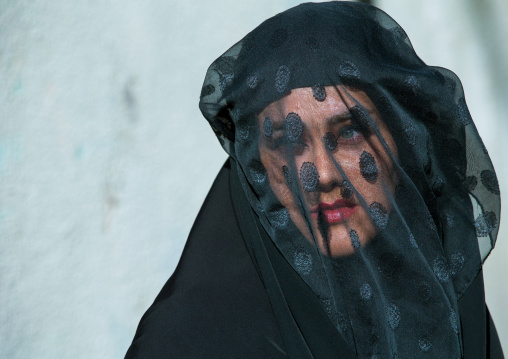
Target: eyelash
column 354, row 138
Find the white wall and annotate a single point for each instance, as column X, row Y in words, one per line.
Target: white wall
column 105, row 158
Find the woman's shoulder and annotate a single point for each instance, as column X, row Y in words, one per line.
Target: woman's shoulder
column 214, row 305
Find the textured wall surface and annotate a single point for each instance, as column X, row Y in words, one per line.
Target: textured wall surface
column 105, row 158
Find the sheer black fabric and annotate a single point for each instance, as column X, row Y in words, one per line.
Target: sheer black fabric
column 365, row 170
column 215, row 304
column 218, row 304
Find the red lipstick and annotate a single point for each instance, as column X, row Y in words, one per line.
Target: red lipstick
column 335, row 212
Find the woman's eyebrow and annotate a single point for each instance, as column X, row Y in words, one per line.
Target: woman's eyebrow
column 280, row 125
column 338, row 118
column 345, row 116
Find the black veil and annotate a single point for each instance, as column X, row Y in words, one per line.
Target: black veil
column 419, row 203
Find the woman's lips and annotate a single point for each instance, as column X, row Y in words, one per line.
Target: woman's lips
column 335, row 212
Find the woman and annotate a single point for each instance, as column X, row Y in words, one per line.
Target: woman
column 354, row 213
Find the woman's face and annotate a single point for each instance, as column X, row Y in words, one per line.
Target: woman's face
column 345, row 174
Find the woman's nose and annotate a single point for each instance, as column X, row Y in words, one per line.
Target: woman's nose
column 326, row 166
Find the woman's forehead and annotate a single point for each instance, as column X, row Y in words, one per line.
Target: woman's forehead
column 303, row 101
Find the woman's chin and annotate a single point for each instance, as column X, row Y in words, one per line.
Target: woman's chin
column 344, row 239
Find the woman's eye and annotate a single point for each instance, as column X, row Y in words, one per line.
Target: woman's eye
column 347, row 132
column 282, row 145
column 278, row 143
column 350, row 133
column 299, row 147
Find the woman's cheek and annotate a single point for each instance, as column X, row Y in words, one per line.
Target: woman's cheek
column 274, row 164
column 348, row 162
column 386, row 165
